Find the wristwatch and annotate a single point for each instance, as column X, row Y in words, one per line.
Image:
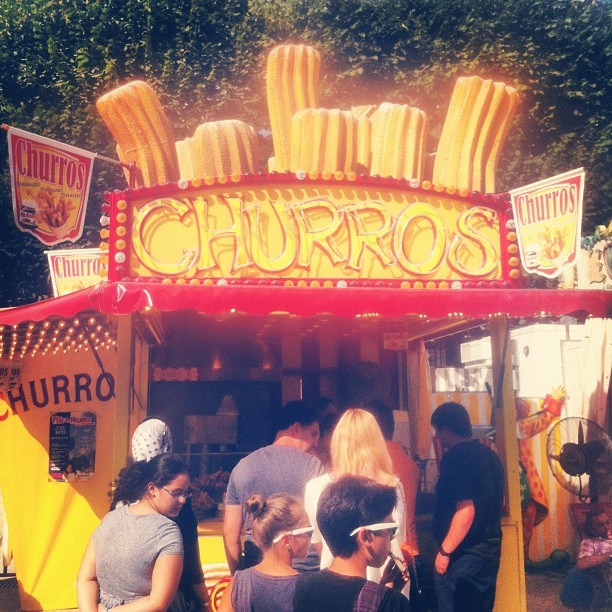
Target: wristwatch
column 443, row 552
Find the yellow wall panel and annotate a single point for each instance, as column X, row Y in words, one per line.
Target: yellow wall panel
column 50, row 522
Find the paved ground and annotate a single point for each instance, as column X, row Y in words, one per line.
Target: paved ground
column 543, row 589
column 542, row 593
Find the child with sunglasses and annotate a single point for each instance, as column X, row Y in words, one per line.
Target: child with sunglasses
column 282, row 530
column 355, row 518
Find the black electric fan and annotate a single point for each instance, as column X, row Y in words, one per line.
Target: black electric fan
column 580, row 457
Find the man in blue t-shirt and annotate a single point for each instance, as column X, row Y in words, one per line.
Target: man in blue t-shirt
column 282, row 467
column 467, row 518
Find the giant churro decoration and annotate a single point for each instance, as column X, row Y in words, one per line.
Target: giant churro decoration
column 346, row 198
column 217, row 148
column 474, row 131
column 292, row 82
column 143, row 133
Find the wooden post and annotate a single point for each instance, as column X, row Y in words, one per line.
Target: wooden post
column 123, row 392
column 511, row 589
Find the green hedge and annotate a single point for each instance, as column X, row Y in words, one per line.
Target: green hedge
column 206, row 60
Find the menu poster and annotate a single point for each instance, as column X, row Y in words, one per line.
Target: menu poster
column 72, row 446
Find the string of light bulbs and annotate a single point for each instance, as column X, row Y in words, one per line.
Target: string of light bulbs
column 56, row 334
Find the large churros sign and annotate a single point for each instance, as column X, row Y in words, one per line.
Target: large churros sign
column 310, row 229
column 349, row 196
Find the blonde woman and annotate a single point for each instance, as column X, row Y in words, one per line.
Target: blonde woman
column 282, row 531
column 358, row 448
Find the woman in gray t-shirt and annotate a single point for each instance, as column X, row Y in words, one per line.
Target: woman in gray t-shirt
column 137, row 551
column 282, row 530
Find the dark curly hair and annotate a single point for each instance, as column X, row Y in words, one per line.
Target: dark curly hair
column 133, row 479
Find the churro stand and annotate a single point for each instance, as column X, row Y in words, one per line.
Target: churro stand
column 228, row 291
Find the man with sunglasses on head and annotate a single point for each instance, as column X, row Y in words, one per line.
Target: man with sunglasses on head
column 467, row 518
column 354, row 517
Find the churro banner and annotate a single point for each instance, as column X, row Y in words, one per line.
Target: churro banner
column 73, row 269
column 548, row 216
column 50, row 184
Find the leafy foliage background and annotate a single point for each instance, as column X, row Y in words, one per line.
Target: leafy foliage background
column 206, row 61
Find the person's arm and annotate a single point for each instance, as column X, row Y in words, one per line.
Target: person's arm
column 411, row 485
column 226, row 600
column 399, row 513
column 88, row 589
column 232, row 530
column 201, row 592
column 164, row 585
column 312, row 493
column 192, row 577
column 589, row 561
column 316, row 468
column 459, row 527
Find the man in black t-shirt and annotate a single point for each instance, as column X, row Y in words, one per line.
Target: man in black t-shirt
column 467, row 518
column 354, row 516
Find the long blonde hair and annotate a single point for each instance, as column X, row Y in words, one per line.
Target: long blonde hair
column 358, row 447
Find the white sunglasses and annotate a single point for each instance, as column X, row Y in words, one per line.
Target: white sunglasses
column 295, row 532
column 391, row 527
